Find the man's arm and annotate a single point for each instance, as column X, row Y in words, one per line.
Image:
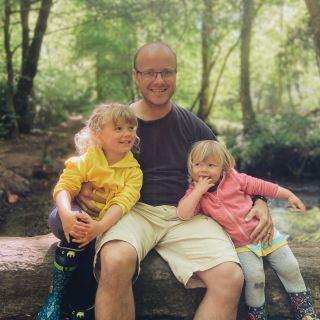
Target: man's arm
column 86, row 196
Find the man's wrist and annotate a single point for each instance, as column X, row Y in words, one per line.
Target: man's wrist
column 256, row 197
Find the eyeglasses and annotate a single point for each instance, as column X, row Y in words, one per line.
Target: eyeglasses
column 166, row 74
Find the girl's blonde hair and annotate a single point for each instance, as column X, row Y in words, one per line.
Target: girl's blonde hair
column 103, row 113
column 211, row 148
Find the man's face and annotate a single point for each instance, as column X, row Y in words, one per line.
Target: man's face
column 156, row 89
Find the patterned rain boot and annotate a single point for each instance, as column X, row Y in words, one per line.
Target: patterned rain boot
column 87, row 314
column 66, row 261
column 302, row 306
column 257, row 313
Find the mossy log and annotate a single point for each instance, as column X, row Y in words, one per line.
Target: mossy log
column 25, row 267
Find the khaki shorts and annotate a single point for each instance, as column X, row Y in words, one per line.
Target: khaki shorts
column 188, row 246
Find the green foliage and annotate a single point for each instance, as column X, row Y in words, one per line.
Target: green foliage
column 58, row 95
column 112, row 33
column 89, row 45
column 7, row 124
column 111, row 55
column 283, row 146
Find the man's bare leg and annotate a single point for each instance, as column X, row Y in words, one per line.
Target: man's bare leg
column 114, row 299
column 224, row 284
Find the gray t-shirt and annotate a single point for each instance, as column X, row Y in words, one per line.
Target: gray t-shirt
column 164, row 148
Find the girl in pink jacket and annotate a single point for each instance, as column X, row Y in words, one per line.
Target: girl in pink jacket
column 219, row 191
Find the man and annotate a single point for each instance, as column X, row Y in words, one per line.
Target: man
column 196, row 250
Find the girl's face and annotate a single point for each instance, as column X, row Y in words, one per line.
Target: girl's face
column 208, row 167
column 116, row 139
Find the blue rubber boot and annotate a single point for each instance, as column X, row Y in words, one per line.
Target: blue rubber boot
column 257, row 313
column 302, row 306
column 66, row 261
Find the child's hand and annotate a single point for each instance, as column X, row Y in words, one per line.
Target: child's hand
column 88, row 229
column 296, row 203
column 68, row 223
column 203, row 184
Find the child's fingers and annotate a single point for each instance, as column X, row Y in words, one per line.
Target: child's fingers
column 66, row 234
column 84, row 244
column 83, row 241
column 77, row 236
column 293, row 207
column 82, row 217
column 302, row 207
column 79, row 240
column 84, row 226
column 80, row 230
column 298, row 205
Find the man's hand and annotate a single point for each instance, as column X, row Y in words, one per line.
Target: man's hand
column 86, row 196
column 264, row 230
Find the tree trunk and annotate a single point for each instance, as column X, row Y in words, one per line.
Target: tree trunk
column 7, row 115
column 29, row 70
column 280, row 60
column 313, row 7
column 248, row 115
column 216, row 86
column 24, row 15
column 206, row 40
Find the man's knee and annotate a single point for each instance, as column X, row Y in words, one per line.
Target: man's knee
column 225, row 275
column 233, row 274
column 118, row 260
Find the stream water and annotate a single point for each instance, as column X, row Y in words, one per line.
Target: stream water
column 298, row 226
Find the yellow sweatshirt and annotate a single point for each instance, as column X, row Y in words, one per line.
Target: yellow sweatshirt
column 121, row 181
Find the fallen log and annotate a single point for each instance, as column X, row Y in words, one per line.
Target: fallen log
column 25, row 268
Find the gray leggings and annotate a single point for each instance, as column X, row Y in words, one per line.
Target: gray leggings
column 282, row 261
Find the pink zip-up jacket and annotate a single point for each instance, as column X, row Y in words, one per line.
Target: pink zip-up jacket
column 231, row 202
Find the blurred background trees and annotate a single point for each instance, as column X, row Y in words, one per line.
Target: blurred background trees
column 250, row 69
column 17, row 113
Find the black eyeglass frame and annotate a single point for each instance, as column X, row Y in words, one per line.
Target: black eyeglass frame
column 155, row 73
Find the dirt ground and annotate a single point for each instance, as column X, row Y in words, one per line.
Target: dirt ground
column 29, row 168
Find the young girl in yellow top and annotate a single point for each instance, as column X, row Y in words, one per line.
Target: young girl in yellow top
column 107, row 162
